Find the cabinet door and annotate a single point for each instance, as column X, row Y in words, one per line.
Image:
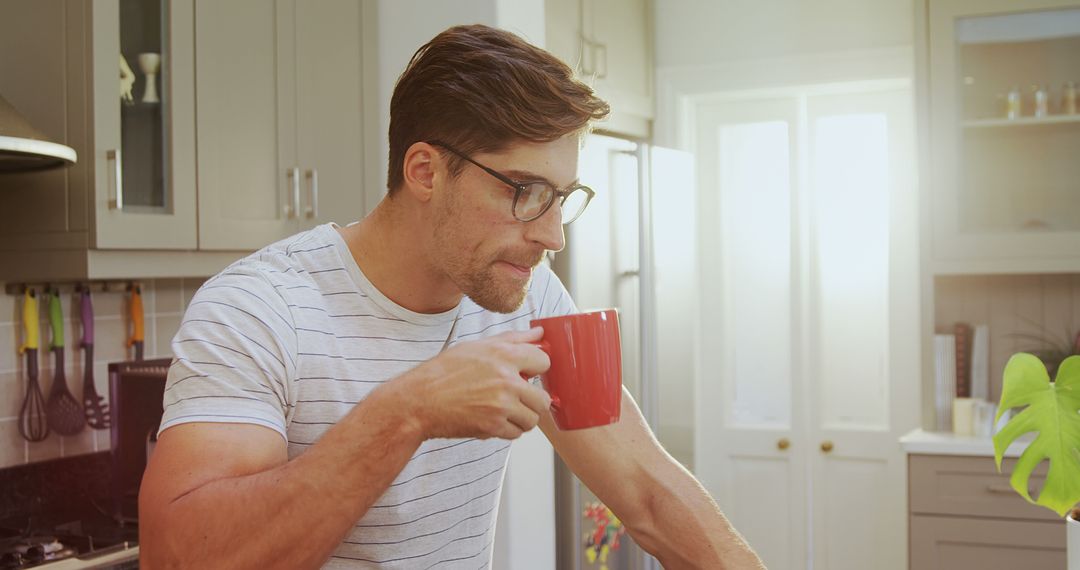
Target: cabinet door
column 1003, row 186
column 330, row 111
column 945, row 543
column 622, row 53
column 249, row 180
column 143, row 152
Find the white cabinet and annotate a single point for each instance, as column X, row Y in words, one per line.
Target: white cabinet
column 255, row 133
column 279, row 118
column 1001, row 171
column 609, row 44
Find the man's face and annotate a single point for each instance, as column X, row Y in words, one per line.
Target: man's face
column 487, row 253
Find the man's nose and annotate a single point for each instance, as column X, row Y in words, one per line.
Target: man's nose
column 547, row 230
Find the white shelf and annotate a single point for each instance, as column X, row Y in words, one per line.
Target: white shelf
column 945, row 443
column 1022, row 122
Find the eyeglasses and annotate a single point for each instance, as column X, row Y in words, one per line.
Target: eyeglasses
column 533, row 198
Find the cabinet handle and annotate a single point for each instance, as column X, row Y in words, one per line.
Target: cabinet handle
column 1005, row 490
column 292, row 206
column 313, row 194
column 116, row 201
column 826, row 446
column 602, row 49
column 783, row 444
column 586, row 59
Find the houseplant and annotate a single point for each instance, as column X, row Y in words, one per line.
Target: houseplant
column 1052, row 411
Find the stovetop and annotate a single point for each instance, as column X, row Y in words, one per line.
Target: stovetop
column 33, row 544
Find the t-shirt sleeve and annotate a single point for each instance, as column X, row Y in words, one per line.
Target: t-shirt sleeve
column 234, row 355
column 553, row 300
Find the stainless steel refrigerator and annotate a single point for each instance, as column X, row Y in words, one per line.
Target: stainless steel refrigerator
column 633, row 249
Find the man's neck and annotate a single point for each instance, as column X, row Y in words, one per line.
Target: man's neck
column 389, row 247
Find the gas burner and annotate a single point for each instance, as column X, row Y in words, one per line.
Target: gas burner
column 32, row 551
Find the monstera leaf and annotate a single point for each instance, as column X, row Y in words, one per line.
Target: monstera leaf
column 1053, row 410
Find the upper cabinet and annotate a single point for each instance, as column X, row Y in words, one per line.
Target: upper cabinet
column 1002, row 175
column 609, row 45
column 279, row 118
column 204, row 130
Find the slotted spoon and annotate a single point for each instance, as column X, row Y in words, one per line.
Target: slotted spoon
column 65, row 414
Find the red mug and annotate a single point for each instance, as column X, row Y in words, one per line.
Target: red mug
column 585, row 378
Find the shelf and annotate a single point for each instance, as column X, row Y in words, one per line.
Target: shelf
column 1022, row 122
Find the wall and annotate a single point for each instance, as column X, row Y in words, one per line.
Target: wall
column 703, row 32
column 1011, row 305
column 164, row 302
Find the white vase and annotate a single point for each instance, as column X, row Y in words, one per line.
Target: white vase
column 1072, row 543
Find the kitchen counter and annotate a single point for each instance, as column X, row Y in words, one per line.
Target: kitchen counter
column 946, row 443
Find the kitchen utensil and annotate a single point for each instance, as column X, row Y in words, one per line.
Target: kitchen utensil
column 65, row 414
column 585, row 378
column 137, row 330
column 33, row 424
column 96, row 410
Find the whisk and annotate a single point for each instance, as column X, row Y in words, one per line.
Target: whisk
column 33, row 423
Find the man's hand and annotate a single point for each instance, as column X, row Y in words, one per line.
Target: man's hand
column 475, row 389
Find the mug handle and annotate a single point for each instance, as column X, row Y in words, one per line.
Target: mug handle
column 546, row 347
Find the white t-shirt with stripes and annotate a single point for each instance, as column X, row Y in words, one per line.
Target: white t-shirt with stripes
column 294, row 335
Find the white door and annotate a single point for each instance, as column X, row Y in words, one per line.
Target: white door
column 749, row 450
column 810, row 336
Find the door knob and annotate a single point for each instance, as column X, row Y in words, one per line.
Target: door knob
column 826, row 446
column 783, row 444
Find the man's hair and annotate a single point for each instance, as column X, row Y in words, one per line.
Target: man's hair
column 480, row 89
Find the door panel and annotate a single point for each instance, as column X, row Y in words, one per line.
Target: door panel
column 246, row 122
column 749, row 452
column 329, row 110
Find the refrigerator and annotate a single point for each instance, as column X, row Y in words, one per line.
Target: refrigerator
column 634, row 249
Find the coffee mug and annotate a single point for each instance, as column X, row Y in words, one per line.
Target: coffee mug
column 585, row 378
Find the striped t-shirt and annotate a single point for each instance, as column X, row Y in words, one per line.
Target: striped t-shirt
column 294, row 335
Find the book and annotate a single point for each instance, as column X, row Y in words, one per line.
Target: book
column 962, row 335
column 944, row 379
column 980, row 363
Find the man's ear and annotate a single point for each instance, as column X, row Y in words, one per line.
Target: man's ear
column 421, row 165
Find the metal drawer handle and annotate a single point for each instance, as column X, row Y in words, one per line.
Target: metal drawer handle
column 292, row 206
column 312, row 210
column 1005, row 490
column 116, row 202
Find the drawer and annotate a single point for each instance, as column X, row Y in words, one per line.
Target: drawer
column 955, row 543
column 971, row 486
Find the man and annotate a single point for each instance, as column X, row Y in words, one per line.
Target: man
column 345, row 398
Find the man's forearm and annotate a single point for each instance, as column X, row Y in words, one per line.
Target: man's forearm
column 294, row 515
column 684, row 528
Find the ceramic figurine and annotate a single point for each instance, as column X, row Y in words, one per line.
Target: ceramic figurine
column 149, row 63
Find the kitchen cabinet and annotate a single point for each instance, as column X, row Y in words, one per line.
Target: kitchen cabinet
column 254, row 133
column 132, row 193
column 1001, row 134
column 279, row 95
column 609, row 45
column 964, row 514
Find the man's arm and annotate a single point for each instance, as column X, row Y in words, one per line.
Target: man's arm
column 226, row 496
column 665, row 510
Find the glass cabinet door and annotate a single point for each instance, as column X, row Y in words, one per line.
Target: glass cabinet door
column 143, row 93
column 1006, row 131
column 143, row 131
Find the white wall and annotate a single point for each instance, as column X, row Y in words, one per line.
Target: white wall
column 525, row 535
column 702, row 32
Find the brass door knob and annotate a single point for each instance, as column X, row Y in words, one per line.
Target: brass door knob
column 826, row 446
column 783, row 444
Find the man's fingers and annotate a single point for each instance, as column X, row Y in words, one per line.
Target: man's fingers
column 523, row 418
column 535, row 398
column 531, row 335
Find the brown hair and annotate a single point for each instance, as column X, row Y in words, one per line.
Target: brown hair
column 480, row 89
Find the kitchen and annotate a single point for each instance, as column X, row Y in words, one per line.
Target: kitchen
column 777, row 358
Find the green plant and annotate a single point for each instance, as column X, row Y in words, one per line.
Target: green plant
column 1052, row 411
column 1049, row 349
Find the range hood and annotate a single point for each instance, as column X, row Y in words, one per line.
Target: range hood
column 23, row 148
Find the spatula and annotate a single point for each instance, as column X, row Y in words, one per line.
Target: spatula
column 65, row 414
column 97, row 411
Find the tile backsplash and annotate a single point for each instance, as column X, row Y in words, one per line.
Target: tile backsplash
column 1011, row 306
column 164, row 301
